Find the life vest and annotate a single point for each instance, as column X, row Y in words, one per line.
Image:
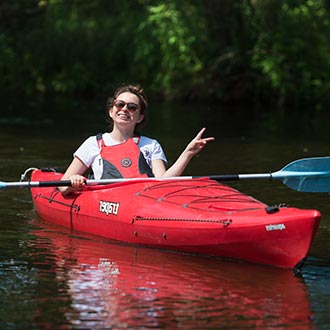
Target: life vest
column 123, row 160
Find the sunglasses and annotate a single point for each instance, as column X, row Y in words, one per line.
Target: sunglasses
column 130, row 105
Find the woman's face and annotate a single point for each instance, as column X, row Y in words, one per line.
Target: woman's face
column 126, row 110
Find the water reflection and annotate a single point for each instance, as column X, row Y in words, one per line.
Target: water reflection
column 110, row 285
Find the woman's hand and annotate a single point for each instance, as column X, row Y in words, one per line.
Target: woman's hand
column 74, row 174
column 194, row 147
column 77, row 181
column 198, row 143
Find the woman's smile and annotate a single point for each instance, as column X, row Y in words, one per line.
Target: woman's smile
column 123, row 115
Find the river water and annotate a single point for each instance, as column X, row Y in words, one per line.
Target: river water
column 51, row 278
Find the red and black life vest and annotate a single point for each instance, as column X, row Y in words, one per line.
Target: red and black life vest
column 123, row 160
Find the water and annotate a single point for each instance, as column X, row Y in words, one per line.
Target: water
column 51, row 278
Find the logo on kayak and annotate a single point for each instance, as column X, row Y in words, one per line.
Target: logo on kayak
column 280, row 226
column 109, row 207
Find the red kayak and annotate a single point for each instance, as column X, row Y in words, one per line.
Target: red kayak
column 196, row 216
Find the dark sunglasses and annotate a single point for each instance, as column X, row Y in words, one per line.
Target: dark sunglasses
column 130, row 105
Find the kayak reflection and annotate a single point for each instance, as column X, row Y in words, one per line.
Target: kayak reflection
column 111, row 285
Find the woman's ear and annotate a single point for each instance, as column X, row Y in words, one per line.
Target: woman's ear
column 110, row 112
column 141, row 117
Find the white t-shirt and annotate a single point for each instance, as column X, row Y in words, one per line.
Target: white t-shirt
column 89, row 152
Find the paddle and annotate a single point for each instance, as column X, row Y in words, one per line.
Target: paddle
column 305, row 175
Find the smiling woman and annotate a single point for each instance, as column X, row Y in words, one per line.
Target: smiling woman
column 136, row 102
column 122, row 152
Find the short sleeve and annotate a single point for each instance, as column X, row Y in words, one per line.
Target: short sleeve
column 88, row 151
column 151, row 150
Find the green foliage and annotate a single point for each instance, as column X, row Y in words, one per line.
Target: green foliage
column 272, row 51
column 168, row 45
column 292, row 49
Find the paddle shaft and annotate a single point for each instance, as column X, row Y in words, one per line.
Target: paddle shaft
column 67, row 183
column 31, row 184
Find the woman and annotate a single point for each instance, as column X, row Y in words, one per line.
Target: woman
column 121, row 152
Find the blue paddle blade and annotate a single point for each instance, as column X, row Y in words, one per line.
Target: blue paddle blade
column 306, row 175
